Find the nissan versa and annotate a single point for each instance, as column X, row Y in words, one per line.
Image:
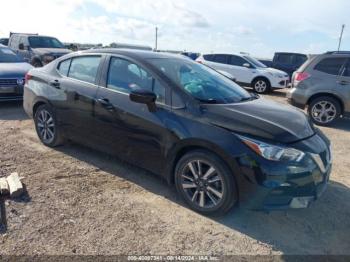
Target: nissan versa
column 217, row 143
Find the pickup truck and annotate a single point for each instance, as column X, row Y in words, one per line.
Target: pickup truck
column 287, row 62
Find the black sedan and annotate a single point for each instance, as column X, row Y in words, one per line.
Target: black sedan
column 217, row 143
column 12, row 72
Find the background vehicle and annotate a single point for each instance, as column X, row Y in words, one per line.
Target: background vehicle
column 248, row 71
column 12, row 72
column 37, row 50
column 287, row 62
column 323, row 85
column 4, row 41
column 165, row 113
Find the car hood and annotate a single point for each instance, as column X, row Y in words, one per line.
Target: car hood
column 275, row 71
column 8, row 70
column 262, row 118
column 59, row 51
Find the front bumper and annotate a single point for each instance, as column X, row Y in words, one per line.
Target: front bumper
column 11, row 93
column 274, row 186
column 280, row 83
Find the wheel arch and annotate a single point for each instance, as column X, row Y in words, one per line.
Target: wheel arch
column 39, row 101
column 261, row 77
column 326, row 94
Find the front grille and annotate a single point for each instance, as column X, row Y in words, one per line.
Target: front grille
column 8, row 82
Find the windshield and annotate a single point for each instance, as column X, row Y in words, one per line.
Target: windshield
column 202, row 82
column 44, row 42
column 255, row 62
column 8, row 56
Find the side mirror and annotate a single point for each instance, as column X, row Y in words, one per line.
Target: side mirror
column 142, row 96
column 246, row 65
column 21, row 46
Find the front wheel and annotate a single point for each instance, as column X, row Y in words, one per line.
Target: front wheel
column 261, row 85
column 205, row 183
column 46, row 126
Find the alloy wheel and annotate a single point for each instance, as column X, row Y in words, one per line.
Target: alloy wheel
column 46, row 126
column 324, row 112
column 260, row 86
column 202, row 183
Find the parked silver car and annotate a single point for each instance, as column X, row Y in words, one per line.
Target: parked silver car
column 322, row 85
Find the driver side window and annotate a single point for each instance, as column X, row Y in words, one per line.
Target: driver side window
column 126, row 76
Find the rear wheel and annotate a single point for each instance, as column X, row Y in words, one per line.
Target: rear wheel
column 205, row 183
column 324, row 110
column 261, row 85
column 46, row 126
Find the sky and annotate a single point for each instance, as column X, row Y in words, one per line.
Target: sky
column 258, row 27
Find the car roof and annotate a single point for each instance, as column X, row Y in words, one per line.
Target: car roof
column 141, row 54
column 289, row 53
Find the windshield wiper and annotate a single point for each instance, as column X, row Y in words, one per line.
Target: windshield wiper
column 208, row 101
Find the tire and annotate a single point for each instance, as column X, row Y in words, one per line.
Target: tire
column 46, row 126
column 324, row 110
column 261, row 85
column 37, row 63
column 203, row 194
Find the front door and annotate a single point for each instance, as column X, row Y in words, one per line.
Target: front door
column 126, row 128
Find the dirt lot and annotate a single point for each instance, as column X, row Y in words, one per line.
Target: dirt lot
column 81, row 201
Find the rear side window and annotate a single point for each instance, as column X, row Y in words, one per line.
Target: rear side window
column 284, row 59
column 84, row 68
column 347, row 69
column 209, row 57
column 63, row 67
column 222, row 59
column 330, row 66
column 299, row 60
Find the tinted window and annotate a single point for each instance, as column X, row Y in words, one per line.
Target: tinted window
column 237, row 61
column 44, row 42
column 330, row 65
column 300, row 59
column 284, row 59
column 209, row 57
column 14, row 41
column 347, row 69
column 63, row 67
column 221, row 59
column 84, row 68
column 126, row 76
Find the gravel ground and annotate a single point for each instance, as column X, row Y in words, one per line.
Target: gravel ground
column 80, row 201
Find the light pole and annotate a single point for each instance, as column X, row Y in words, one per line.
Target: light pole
column 156, row 47
column 341, row 36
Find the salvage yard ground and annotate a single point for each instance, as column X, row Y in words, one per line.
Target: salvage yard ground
column 80, row 201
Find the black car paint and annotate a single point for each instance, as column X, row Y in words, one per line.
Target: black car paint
column 107, row 120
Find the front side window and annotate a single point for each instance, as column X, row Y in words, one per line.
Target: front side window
column 63, row 67
column 299, row 60
column 284, row 59
column 201, row 82
column 126, row 76
column 347, row 70
column 237, row 61
column 84, row 68
column 331, row 66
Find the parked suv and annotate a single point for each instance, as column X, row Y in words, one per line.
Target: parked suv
column 248, row 71
column 322, row 85
column 218, row 144
column 287, row 62
column 37, row 50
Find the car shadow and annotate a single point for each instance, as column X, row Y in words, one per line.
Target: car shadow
column 324, row 228
column 341, row 124
column 12, row 110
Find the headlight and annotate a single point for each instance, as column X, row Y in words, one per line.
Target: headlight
column 273, row 152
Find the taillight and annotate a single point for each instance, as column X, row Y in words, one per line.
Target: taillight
column 27, row 78
column 301, row 76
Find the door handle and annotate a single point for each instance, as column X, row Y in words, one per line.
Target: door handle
column 343, row 82
column 106, row 104
column 55, row 83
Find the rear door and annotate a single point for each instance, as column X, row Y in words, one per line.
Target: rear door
column 126, row 128
column 78, row 81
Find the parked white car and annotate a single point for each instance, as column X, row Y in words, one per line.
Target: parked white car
column 248, row 71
